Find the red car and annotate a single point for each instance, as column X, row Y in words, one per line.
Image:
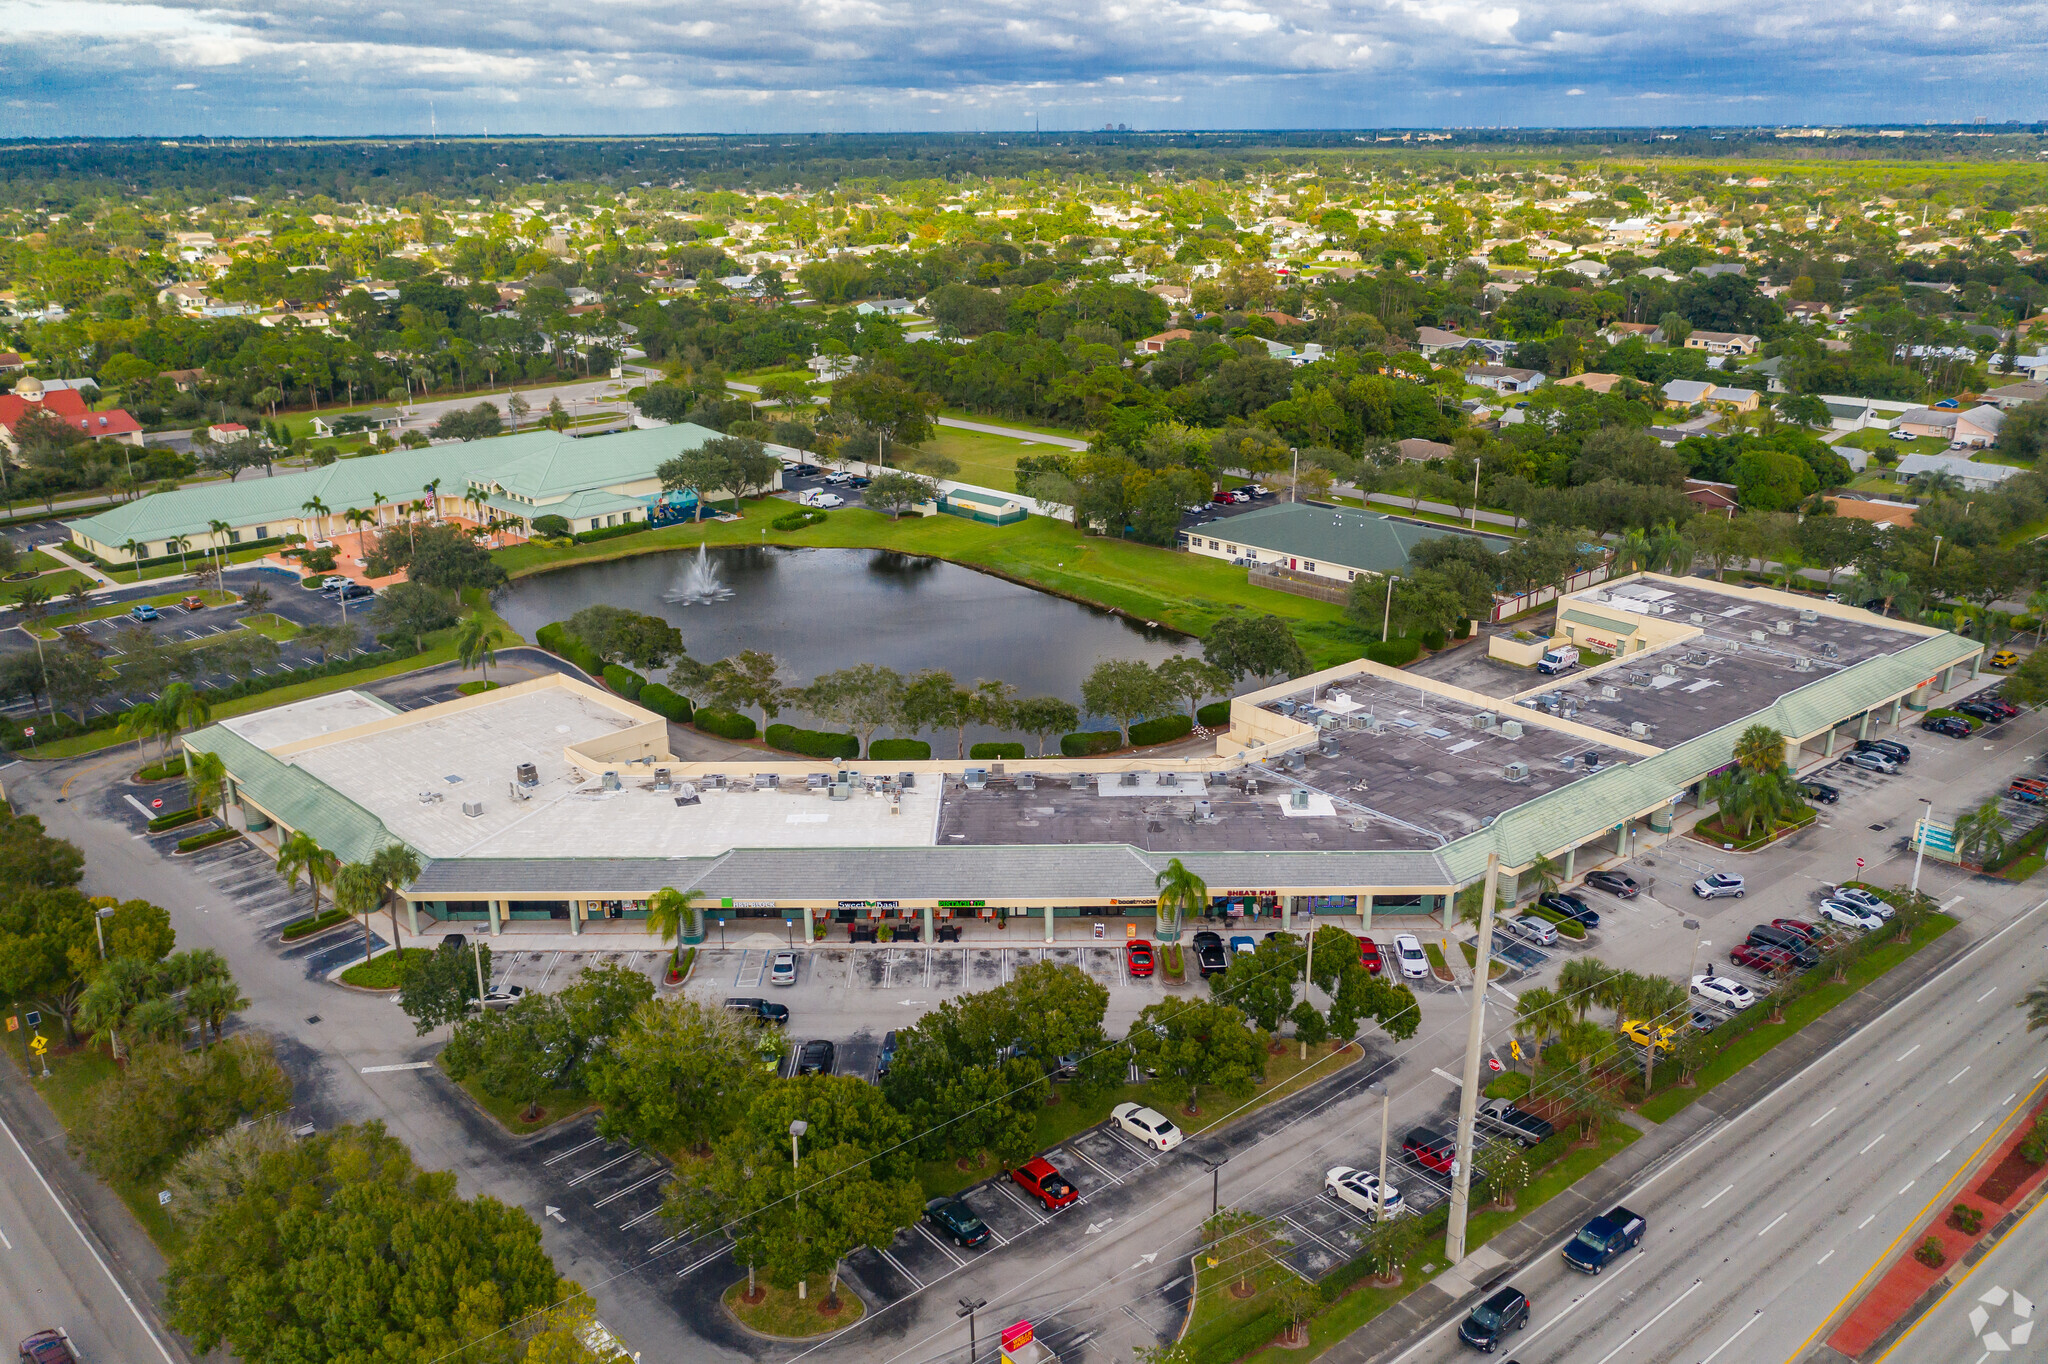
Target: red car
column 1038, row 1178
column 1811, row 932
column 1369, row 956
column 1765, row 959
column 1138, row 957
column 1431, row 1149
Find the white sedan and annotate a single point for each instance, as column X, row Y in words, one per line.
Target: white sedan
column 1408, row 951
column 1360, row 1189
column 1850, row 915
column 1148, row 1125
column 1721, row 990
column 782, row 969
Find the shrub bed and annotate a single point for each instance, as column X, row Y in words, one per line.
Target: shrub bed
column 207, row 840
column 623, row 680
column 1394, row 653
column 899, row 750
column 175, row 818
column 1215, row 715
column 797, row 520
column 997, row 752
column 665, row 703
column 313, row 923
column 812, row 743
column 1433, row 639
column 726, row 724
column 1163, row 730
column 173, row 766
column 1087, row 744
column 610, row 532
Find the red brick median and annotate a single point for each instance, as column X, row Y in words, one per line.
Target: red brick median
column 1994, row 1188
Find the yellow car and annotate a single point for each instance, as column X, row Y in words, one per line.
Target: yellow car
column 2005, row 658
column 1638, row 1032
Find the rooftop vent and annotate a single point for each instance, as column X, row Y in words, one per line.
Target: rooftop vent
column 1608, row 693
column 1297, row 800
column 1698, row 618
column 661, row 779
column 1783, row 627
column 977, row 778
column 1515, row 771
column 473, row 808
column 906, row 780
column 1828, row 649
column 528, row 775
column 1808, row 616
column 1511, row 729
column 686, row 794
column 1803, row 664
column 1126, row 779
column 1639, row 729
column 1757, row 636
column 1669, row 670
column 1204, row 810
column 1329, row 749
column 610, row 781
column 1297, row 762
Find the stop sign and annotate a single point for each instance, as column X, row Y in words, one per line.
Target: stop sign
column 157, row 804
column 1859, row 864
column 1493, row 1064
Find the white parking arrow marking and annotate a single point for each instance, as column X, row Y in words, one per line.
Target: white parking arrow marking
column 1145, row 1259
column 1094, row 1227
column 556, row 1213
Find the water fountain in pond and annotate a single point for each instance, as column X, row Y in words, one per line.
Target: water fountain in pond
column 697, row 583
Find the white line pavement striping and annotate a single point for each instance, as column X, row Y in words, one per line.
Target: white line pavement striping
column 409, row 1065
column 1710, row 1202
column 1730, row 1341
column 1773, row 1222
column 1821, row 1119
column 1651, row 1322
column 1873, row 1141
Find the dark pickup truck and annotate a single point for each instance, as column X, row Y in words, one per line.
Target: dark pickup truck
column 1526, row 1128
column 1603, row 1238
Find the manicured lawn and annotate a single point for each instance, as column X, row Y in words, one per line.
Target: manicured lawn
column 381, row 971
column 555, row 1105
column 985, row 461
column 474, row 688
column 1181, row 591
column 272, row 626
column 37, row 562
column 1014, row 423
column 782, row 1313
column 1762, row 1037
column 73, row 1075
column 56, row 584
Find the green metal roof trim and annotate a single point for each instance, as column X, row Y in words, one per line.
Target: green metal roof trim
column 978, row 499
column 536, row 464
column 1585, row 808
column 1338, row 535
column 1599, row 622
column 298, row 799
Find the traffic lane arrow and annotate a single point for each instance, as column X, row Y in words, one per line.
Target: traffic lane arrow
column 1094, row 1227
column 1146, row 1259
column 556, row 1213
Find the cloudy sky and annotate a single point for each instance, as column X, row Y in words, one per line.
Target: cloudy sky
column 545, row 66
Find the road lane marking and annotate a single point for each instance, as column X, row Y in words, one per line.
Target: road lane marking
column 1821, row 1119
column 1710, row 1202
column 1577, row 1302
column 2008, row 1098
column 1943, row 1156
column 409, row 1065
column 1726, row 1343
column 1824, row 1259
column 1987, row 994
column 1866, row 1221
column 1907, row 1052
column 1651, row 1322
column 1873, row 1141
column 1907, row 1185
column 1440, row 1071
column 1974, row 1127
column 1958, row 1075
column 1774, row 1222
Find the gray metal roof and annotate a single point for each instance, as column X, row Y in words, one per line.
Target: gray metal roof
column 1366, row 541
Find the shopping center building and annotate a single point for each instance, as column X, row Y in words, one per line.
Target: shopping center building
column 1361, row 793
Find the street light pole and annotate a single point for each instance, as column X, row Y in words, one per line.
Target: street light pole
column 968, row 1307
column 1215, row 1184
column 1387, row 618
column 1379, row 1212
column 1920, row 843
column 797, row 1128
column 1468, row 1092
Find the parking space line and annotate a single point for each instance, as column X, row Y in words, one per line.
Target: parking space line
column 630, row 1223
column 900, row 1269
column 695, row 1265
column 1311, row 1236
column 1097, row 1167
column 594, row 1141
column 598, row 1170
column 612, row 1197
column 925, row 1231
column 1019, row 1199
column 552, row 963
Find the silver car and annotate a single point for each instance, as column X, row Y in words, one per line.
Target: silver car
column 1534, row 929
column 782, row 969
column 1718, row 886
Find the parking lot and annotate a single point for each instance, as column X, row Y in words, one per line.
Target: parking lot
column 842, row 485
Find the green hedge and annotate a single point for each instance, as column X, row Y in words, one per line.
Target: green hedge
column 623, row 680
column 1215, row 715
column 610, row 532
column 1394, row 653
column 173, row 766
column 78, row 551
column 557, row 639
column 1089, row 743
column 1164, row 730
column 175, row 818
column 313, row 923
column 899, row 750
column 812, row 743
column 1433, row 640
column 997, row 752
column 797, row 520
column 198, row 841
column 726, row 724
column 665, row 703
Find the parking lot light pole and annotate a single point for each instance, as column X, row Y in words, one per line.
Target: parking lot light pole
column 1379, row 1212
column 1468, row 1091
column 1215, row 1182
column 968, row 1307
column 797, row 1128
column 1694, row 963
column 1920, row 843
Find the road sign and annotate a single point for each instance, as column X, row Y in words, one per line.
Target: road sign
column 34, row 1018
column 163, row 1198
column 1515, row 1049
column 38, row 1044
column 13, row 1023
column 1493, row 1064
column 29, row 730
column 1859, row 864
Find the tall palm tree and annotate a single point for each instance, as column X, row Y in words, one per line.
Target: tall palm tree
column 357, row 888
column 358, row 518
column 133, row 549
column 180, row 543
column 396, row 865
column 220, row 530
column 671, row 911
column 1760, row 749
column 1181, row 893
column 302, row 853
column 1580, row 981
column 180, row 707
column 317, row 509
column 1541, row 1013
column 206, row 776
column 474, row 641
column 33, row 602
column 2036, row 1005
column 211, row 1001
column 433, row 493
column 1980, row 834
column 141, row 722
column 1546, row 873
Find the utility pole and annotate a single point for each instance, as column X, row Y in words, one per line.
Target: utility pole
column 1468, row 1093
column 968, row 1307
column 1379, row 1211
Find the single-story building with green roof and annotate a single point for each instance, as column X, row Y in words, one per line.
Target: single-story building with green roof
column 1323, row 541
column 591, row 481
column 990, row 509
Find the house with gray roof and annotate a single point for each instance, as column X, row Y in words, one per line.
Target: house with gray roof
column 1320, row 540
column 1974, row 477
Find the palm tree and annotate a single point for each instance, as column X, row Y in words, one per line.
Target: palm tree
column 134, row 549
column 255, row 599
column 302, row 853
column 358, row 518
column 1890, row 587
column 474, row 639
column 1633, row 553
column 1936, row 482
column 2036, row 1005
column 670, row 912
column 396, row 865
column 357, row 888
column 206, row 776
column 1584, row 1042
column 211, row 1001
column 33, row 601
column 220, row 530
column 181, row 544
column 1579, row 982
column 317, row 509
column 1181, row 893
column 1760, row 749
column 1980, row 834
column 433, row 492
column 1539, row 1014
column 1546, row 873
column 141, row 722
column 180, row 708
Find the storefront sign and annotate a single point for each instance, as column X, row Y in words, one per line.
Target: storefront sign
column 730, row 903
column 869, row 904
column 963, row 904
column 1152, row 902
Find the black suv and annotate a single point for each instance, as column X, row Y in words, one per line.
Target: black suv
column 1955, row 726
column 1614, row 883
column 1507, row 1310
column 1793, row 944
column 1891, row 748
column 760, row 1008
column 816, row 1058
column 888, row 1057
column 1980, row 710
column 1820, row 791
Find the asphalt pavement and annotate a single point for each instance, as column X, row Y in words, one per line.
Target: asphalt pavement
column 1998, row 1309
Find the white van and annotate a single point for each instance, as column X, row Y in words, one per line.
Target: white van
column 1557, row 661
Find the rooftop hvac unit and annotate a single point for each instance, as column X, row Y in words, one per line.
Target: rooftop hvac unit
column 841, row 790
column 716, row 781
column 1369, row 722
column 610, row 781
column 767, row 781
column 1487, row 719
column 1808, row 616
column 1552, row 700
column 528, row 775
column 517, row 791
column 1297, row 800
column 1828, row 649
column 1515, row 771
column 1570, row 710
column 1251, row 786
column 1607, row 692
column 1329, row 749
column 1639, row 729
column 473, row 808
column 1511, row 729
column 1757, row 636
column 1669, row 670
column 661, row 779
column 1591, row 760
column 976, row 778
column 906, row 780
column 1077, row 781
column 995, row 769
column 1204, row 810
column 1026, row 781
column 1341, row 698
column 1329, row 721
column 1804, row 664
column 1698, row 618
column 1297, row 762
column 818, row 781
column 1285, row 707
column 1164, row 779
column 1126, row 779
column 1783, row 627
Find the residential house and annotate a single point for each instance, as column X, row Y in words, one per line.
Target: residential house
column 1978, row 427
column 1178, row 295
column 1737, row 399
column 378, row 419
column 2005, row 398
column 1589, row 269
column 1723, row 343
column 884, row 307
column 10, row 363
column 1504, row 378
column 1809, row 311
column 830, row 367
column 1618, row 332
column 1720, row 268
column 1974, row 477
column 68, row 406
column 185, row 297
column 1715, row 499
column 1318, row 541
column 223, row 432
column 1433, row 341
column 1593, row 381
column 1686, row 392
column 1153, row 345
column 1875, row 510
column 1420, row 451
column 184, row 380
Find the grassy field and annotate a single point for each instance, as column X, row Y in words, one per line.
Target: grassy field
column 1161, row 586
column 781, row 1313
column 986, row 461
column 272, row 625
column 56, row 584
column 73, row 1074
column 1013, row 423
